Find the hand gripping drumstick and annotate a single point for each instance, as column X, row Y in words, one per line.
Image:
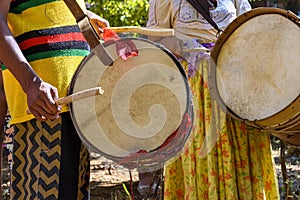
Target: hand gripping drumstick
column 78, row 96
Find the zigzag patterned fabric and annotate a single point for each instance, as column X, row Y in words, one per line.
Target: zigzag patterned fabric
column 37, row 147
column 30, row 148
column 51, row 41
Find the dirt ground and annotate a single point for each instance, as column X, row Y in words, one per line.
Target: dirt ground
column 107, row 180
column 110, row 181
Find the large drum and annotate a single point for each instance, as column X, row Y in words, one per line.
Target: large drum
column 256, row 71
column 144, row 116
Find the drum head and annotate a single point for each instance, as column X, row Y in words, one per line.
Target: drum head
column 256, row 72
column 145, row 99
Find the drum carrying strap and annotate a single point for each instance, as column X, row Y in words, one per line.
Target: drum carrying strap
column 88, row 32
column 203, row 6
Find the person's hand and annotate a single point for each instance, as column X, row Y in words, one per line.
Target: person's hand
column 41, row 101
column 97, row 22
column 173, row 44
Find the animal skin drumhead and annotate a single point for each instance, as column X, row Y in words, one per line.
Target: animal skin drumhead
column 258, row 67
column 144, row 101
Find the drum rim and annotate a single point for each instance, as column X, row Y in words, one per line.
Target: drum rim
column 86, row 142
column 261, row 123
column 244, row 18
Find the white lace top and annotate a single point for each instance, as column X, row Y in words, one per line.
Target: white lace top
column 188, row 22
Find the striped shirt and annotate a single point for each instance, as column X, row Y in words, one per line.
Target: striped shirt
column 51, row 41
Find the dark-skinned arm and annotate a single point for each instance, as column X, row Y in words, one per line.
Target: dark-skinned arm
column 40, row 95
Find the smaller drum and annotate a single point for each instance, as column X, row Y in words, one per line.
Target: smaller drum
column 144, row 117
column 256, row 71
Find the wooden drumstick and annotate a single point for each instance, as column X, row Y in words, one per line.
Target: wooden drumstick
column 163, row 32
column 78, row 96
column 199, row 49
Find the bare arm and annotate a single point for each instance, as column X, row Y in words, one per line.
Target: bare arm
column 40, row 95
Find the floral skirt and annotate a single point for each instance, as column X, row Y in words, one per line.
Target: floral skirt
column 224, row 158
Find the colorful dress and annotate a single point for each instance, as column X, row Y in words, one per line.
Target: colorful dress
column 224, row 159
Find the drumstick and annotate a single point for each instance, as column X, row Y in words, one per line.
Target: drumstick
column 163, row 32
column 78, row 96
column 199, row 49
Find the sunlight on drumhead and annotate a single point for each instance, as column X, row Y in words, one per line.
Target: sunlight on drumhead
column 259, row 71
column 133, row 96
column 145, row 115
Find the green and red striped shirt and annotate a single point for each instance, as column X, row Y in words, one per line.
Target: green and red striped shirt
column 51, row 41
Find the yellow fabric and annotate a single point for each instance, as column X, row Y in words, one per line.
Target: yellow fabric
column 50, row 15
column 54, row 14
column 238, row 165
column 224, row 159
column 13, row 89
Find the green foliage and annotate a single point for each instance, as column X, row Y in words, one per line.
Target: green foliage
column 121, row 12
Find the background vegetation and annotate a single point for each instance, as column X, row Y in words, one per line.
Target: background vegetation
column 121, row 12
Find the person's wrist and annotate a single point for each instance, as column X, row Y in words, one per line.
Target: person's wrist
column 28, row 78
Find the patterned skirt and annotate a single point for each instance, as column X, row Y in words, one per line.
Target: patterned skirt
column 224, row 159
column 49, row 161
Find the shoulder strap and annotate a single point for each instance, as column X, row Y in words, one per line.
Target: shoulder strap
column 88, row 32
column 203, row 8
